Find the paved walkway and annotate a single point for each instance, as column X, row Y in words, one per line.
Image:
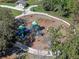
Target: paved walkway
column 15, row 8
column 33, row 51
column 19, row 8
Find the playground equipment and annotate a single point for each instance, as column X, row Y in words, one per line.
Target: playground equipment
column 34, row 23
column 36, row 27
column 21, row 27
column 23, row 32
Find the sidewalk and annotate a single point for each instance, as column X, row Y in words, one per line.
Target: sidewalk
column 15, row 8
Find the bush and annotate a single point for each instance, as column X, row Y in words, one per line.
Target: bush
column 47, row 6
column 64, row 7
column 27, row 4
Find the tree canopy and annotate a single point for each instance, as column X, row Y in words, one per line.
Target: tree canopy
column 6, row 28
column 64, row 7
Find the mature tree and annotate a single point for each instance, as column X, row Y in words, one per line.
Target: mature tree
column 6, row 28
column 64, row 7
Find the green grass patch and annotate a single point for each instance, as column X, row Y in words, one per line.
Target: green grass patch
column 38, row 9
column 33, row 2
column 9, row 4
column 15, row 12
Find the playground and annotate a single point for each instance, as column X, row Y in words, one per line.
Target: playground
column 32, row 28
column 43, row 23
column 39, row 29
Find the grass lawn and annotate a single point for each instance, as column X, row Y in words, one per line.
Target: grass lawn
column 15, row 12
column 9, row 4
column 33, row 2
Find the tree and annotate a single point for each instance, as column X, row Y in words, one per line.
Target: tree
column 6, row 28
column 64, row 7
